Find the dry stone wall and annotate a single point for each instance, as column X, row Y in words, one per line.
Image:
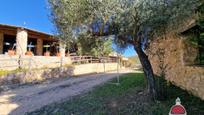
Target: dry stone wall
column 33, row 62
column 38, row 75
column 178, row 58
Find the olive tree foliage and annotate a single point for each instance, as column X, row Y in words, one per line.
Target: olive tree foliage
column 141, row 21
column 70, row 15
column 132, row 22
column 89, row 45
column 128, row 17
column 67, row 15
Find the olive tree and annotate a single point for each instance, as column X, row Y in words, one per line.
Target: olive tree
column 132, row 22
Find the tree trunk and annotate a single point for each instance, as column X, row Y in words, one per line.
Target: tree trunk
column 147, row 68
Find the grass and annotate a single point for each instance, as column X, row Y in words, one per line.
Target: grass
column 128, row 98
column 5, row 72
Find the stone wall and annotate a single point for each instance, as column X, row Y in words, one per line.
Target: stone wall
column 32, row 62
column 178, row 57
column 38, row 75
column 94, row 68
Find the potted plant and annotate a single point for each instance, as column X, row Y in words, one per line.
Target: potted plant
column 11, row 51
column 58, row 54
column 47, row 53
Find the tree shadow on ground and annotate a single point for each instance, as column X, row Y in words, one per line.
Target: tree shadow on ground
column 27, row 99
column 128, row 98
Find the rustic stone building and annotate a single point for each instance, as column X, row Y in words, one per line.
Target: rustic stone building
column 176, row 57
column 19, row 38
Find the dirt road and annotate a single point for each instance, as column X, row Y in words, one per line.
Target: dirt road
column 29, row 98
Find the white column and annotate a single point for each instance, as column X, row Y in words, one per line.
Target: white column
column 62, row 49
column 21, row 41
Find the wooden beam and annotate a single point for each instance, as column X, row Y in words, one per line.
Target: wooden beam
column 34, row 35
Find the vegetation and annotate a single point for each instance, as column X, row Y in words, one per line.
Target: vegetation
column 133, row 61
column 200, row 39
column 196, row 35
column 128, row 98
column 132, row 22
column 5, row 72
column 88, row 45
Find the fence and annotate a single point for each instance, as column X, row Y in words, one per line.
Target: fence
column 92, row 59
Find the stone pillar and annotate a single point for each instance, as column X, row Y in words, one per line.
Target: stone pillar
column 39, row 47
column 21, row 41
column 1, row 43
column 62, row 49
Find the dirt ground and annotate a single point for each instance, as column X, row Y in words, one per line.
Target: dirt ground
column 20, row 100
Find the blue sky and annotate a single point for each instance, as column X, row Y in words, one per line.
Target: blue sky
column 34, row 13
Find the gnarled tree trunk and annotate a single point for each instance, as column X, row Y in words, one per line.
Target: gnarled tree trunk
column 147, row 71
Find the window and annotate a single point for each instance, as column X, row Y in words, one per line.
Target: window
column 200, row 22
column 194, row 48
column 201, row 49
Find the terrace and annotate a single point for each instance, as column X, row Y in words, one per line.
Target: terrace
column 16, row 40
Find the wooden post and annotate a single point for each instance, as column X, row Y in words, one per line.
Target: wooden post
column 30, row 63
column 39, row 47
column 61, row 61
column 104, row 66
column 19, row 62
column 118, row 62
column 1, row 42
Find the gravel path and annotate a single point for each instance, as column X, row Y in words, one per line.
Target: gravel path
column 26, row 99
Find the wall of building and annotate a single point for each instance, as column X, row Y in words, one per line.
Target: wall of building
column 177, row 58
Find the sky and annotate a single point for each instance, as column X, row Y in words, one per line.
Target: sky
column 32, row 14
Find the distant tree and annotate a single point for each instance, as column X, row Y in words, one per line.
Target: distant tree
column 132, row 22
column 133, row 61
column 66, row 15
column 95, row 46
